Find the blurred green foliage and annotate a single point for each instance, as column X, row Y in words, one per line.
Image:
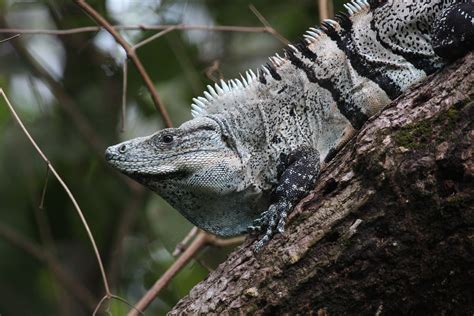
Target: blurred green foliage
column 44, row 75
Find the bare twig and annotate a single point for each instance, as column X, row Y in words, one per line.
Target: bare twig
column 99, row 305
column 267, row 25
column 211, row 240
column 131, row 54
column 221, row 242
column 153, row 37
column 114, row 297
column 183, row 243
column 65, row 101
column 108, row 294
column 41, row 219
column 65, row 187
column 64, row 278
column 9, row 38
column 325, row 9
column 124, row 94
column 45, row 187
column 142, row 27
column 202, row 239
column 198, row 243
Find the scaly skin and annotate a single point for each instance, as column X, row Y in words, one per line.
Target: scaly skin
column 256, row 146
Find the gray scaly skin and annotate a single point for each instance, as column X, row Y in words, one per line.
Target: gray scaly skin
column 256, row 146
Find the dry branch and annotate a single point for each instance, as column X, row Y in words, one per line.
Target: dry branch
column 325, row 9
column 141, row 27
column 267, row 25
column 64, row 186
column 108, row 294
column 387, row 230
column 65, row 101
column 9, row 38
column 132, row 55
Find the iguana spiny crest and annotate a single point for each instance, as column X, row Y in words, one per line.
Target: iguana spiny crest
column 256, row 144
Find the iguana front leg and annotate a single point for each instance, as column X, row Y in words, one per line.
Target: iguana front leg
column 299, row 171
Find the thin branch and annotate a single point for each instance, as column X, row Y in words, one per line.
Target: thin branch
column 199, row 242
column 211, row 240
column 181, row 246
column 118, row 298
column 99, row 305
column 10, row 38
column 131, row 54
column 45, row 187
column 202, row 239
column 141, row 27
column 65, row 101
column 264, row 21
column 325, row 9
column 62, row 276
column 65, row 187
column 42, row 221
column 221, row 242
column 153, row 37
column 124, row 94
column 113, row 297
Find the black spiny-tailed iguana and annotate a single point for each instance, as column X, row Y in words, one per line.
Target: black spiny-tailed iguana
column 256, row 145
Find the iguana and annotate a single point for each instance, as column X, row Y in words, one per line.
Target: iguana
column 255, row 146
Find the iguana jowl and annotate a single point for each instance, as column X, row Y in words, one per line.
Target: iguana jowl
column 256, row 145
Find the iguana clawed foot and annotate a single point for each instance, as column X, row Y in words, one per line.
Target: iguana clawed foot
column 274, row 217
column 297, row 175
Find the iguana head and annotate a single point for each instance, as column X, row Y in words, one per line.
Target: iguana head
column 196, row 170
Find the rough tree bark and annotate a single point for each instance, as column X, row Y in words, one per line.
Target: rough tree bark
column 388, row 230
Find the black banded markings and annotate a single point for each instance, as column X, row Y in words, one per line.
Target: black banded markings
column 306, row 52
column 374, row 4
column 347, row 108
column 273, row 72
column 364, row 67
column 298, row 63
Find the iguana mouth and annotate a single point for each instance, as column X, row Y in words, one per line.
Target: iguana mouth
column 142, row 169
column 144, row 177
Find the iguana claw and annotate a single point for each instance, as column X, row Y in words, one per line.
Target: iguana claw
column 274, row 217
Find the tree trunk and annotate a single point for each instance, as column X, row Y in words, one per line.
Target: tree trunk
column 388, row 229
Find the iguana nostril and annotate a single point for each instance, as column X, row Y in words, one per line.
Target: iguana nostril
column 108, row 154
column 123, row 149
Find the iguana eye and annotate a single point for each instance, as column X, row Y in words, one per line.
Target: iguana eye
column 167, row 139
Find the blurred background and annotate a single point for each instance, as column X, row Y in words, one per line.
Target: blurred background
column 68, row 91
